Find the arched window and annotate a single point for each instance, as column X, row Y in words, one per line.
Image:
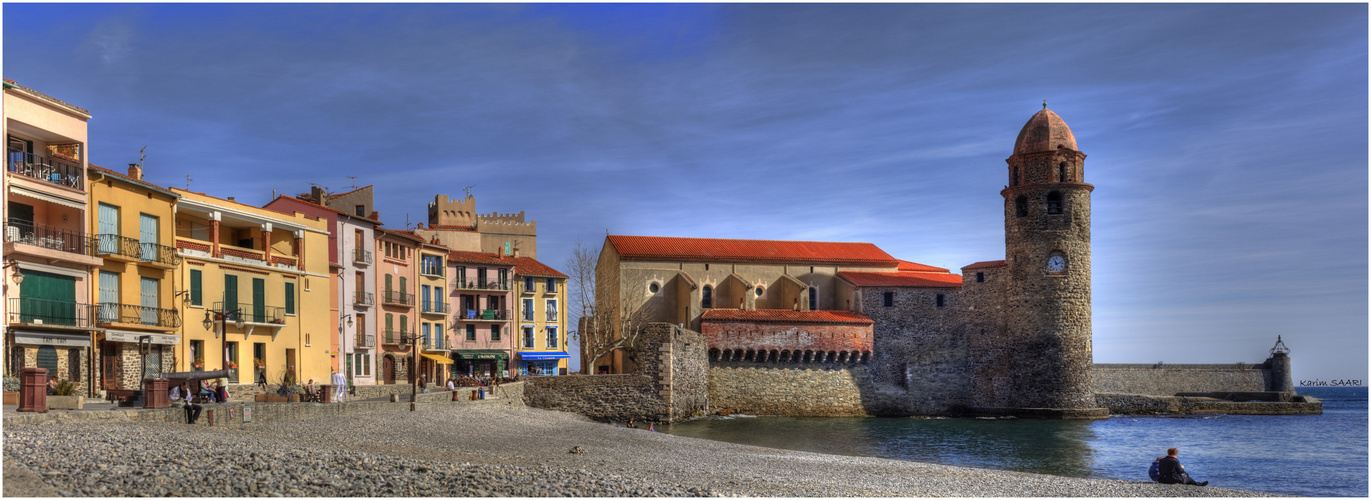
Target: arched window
column 1054, row 202
column 1061, row 172
column 1014, row 176
column 707, row 297
column 1021, row 206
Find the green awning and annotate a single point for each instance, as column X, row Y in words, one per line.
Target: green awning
column 471, row 354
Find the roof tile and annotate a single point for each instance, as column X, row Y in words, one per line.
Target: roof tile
column 730, row 250
column 914, row 279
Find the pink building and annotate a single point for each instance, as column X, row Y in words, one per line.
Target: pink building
column 482, row 319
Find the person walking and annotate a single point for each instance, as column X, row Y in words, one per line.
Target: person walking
column 1172, row 472
column 262, row 377
column 340, row 387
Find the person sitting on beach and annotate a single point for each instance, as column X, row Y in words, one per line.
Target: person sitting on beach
column 309, row 387
column 175, row 394
column 192, row 409
column 451, row 384
column 52, row 385
column 221, row 394
column 632, row 423
column 423, row 384
column 1172, row 472
column 206, row 391
column 1155, row 472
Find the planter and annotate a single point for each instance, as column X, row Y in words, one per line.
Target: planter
column 66, row 402
column 293, row 398
column 261, row 398
column 11, row 397
column 275, row 398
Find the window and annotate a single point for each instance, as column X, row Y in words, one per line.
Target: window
column 148, row 299
column 431, row 265
column 197, row 355
column 348, row 365
column 707, row 297
column 404, row 326
column 939, row 300
column 307, row 344
column 551, row 285
column 481, row 277
column 760, row 290
column 1054, row 202
column 813, row 299
column 551, row 310
column 1061, row 172
column 461, row 276
column 360, row 210
column 888, row 299
column 528, row 309
column 980, row 277
column 528, row 283
column 366, row 365
column 357, row 364
column 390, row 327
column 552, row 338
column 1013, row 176
column 528, row 337
column 427, row 335
column 471, row 333
column 197, row 288
column 495, row 332
column 109, row 297
column 290, row 298
column 653, row 287
column 1021, row 206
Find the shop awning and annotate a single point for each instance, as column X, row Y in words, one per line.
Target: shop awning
column 128, row 336
column 481, row 354
column 442, row 360
column 57, row 339
column 538, row 356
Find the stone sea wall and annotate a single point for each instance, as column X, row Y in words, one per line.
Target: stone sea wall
column 1170, row 379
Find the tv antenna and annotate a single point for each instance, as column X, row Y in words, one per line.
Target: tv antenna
column 188, row 179
column 467, row 190
column 354, row 180
column 141, row 156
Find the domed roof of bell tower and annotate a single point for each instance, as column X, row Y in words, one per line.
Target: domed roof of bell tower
column 1045, row 131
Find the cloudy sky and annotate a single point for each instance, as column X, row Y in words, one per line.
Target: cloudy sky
column 1227, row 143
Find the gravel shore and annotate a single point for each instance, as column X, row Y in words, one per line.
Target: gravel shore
column 487, row 451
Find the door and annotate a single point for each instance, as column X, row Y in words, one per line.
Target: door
column 230, row 295
column 109, row 297
column 148, row 296
column 147, row 237
column 259, row 300
column 108, row 229
column 388, row 370
column 290, row 365
column 48, row 299
column 111, row 370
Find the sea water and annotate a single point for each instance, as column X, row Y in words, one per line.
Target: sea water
column 1303, row 455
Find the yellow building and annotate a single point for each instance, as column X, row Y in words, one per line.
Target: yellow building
column 135, row 290
column 433, row 313
column 541, row 319
column 258, row 287
column 48, row 255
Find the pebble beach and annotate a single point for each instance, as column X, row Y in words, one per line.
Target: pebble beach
column 481, row 451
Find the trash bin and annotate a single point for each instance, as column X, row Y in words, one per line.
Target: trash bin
column 155, row 393
column 33, row 390
column 327, row 395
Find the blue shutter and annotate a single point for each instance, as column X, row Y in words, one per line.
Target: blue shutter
column 109, row 297
column 109, row 229
column 148, row 296
column 147, row 237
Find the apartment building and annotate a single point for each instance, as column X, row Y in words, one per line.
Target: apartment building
column 137, row 290
column 541, row 347
column 49, row 256
column 433, row 313
column 398, row 268
column 482, row 285
column 258, row 284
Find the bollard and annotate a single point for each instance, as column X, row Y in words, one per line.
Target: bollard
column 454, row 395
column 211, row 417
column 395, row 398
column 33, row 390
column 155, row 393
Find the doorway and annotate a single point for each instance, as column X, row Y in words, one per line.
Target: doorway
column 388, row 370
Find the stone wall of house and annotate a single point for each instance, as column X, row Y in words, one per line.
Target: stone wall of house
column 736, row 339
column 1164, row 379
column 64, row 371
column 920, row 348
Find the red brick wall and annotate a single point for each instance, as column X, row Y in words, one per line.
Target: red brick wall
column 736, row 335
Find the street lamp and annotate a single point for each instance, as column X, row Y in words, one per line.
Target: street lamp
column 343, row 345
column 18, row 275
column 222, row 334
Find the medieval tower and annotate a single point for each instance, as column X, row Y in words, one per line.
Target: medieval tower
column 1037, row 354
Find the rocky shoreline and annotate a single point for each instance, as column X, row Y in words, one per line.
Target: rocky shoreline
column 482, row 451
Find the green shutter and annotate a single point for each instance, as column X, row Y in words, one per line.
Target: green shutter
column 290, row 298
column 259, row 300
column 197, row 288
column 48, row 297
column 388, row 287
column 230, row 292
column 390, row 322
column 404, row 323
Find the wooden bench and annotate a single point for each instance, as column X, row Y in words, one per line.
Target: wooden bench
column 122, row 396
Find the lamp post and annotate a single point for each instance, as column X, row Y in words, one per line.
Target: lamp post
column 222, row 316
column 343, row 345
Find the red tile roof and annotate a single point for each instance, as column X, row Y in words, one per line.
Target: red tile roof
column 527, row 266
column 985, row 264
column 126, row 178
column 403, row 234
column 47, row 97
column 480, row 258
column 923, row 280
column 728, row 250
column 307, row 202
column 917, row 267
column 786, row 316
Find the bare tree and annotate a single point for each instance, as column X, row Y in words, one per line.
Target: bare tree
column 603, row 326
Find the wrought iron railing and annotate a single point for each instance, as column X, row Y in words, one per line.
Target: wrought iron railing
column 54, row 170
column 34, row 311
column 42, row 235
column 361, row 255
column 397, row 298
column 108, row 312
column 476, row 284
column 395, row 337
column 436, row 307
column 483, row 314
column 113, row 244
column 251, row 313
column 552, row 316
column 364, row 298
column 366, row 340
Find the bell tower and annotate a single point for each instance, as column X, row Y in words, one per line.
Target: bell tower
column 1041, row 353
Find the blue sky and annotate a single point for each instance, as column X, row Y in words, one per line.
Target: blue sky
column 1227, row 143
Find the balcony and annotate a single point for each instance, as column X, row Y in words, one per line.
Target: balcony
column 361, row 256
column 249, row 313
column 483, row 315
column 242, row 255
column 478, row 284
column 43, row 312
column 66, row 173
column 364, row 299
column 436, row 307
column 392, row 298
column 395, row 337
column 435, row 344
column 125, row 248
column 43, row 236
column 366, row 341
column 108, row 313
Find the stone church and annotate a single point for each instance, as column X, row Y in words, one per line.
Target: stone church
column 831, row 328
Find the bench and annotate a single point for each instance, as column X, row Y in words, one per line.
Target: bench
column 122, row 397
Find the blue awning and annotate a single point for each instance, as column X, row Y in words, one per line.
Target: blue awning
column 537, row 356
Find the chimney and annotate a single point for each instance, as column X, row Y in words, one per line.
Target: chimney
column 516, row 252
column 136, row 171
column 231, row 198
column 316, row 193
